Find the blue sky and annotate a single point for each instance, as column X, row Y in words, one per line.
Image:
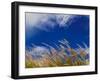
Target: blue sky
column 50, row 28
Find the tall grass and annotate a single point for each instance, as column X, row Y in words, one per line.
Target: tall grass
column 65, row 55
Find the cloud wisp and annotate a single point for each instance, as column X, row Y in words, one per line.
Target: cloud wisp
column 47, row 22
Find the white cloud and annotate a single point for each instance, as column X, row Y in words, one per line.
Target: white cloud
column 47, row 21
column 63, row 20
column 39, row 50
column 32, row 19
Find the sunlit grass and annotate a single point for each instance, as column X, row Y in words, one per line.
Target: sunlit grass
column 56, row 58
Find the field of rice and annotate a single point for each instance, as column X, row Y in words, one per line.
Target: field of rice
column 64, row 55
